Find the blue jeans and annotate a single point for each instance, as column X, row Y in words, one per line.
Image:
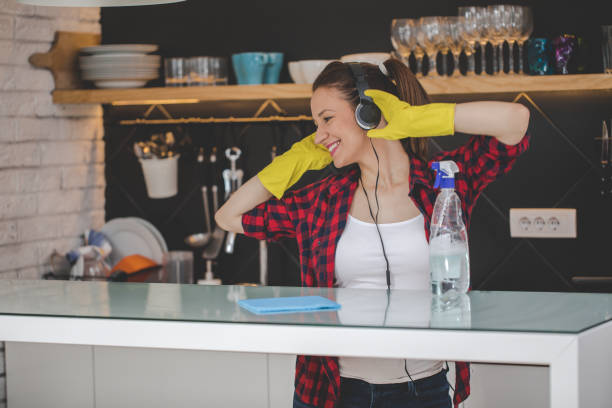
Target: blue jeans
column 430, row 392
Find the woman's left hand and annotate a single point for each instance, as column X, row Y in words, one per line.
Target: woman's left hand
column 405, row 120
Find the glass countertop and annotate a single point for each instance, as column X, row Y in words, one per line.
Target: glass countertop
column 491, row 311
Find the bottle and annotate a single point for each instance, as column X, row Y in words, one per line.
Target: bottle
column 449, row 261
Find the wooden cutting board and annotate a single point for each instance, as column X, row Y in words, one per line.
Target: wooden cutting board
column 62, row 58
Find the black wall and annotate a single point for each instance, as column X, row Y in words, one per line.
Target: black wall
column 560, row 170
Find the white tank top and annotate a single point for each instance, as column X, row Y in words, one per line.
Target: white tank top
column 360, row 264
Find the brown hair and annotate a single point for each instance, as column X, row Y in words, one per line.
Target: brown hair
column 401, row 82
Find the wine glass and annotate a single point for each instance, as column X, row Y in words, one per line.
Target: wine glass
column 444, row 44
column 497, row 29
column 456, row 41
column 417, row 50
column 429, row 37
column 404, row 40
column 398, row 28
column 526, row 30
column 514, row 33
column 473, row 34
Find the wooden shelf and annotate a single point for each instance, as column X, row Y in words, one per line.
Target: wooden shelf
column 434, row 86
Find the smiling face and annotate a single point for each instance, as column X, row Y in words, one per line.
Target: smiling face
column 337, row 129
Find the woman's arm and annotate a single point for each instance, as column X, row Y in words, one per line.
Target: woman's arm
column 505, row 121
column 276, row 178
column 247, row 197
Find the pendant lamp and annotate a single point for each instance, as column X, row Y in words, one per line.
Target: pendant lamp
column 96, row 3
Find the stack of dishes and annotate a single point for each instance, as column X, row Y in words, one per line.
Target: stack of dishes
column 134, row 236
column 119, row 65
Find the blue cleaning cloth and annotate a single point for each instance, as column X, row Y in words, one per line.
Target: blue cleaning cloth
column 288, row 304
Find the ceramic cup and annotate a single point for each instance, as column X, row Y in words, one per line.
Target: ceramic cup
column 273, row 67
column 250, row 67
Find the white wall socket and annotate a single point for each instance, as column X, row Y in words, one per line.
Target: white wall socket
column 543, row 222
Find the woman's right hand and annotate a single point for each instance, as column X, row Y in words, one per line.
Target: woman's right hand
column 286, row 169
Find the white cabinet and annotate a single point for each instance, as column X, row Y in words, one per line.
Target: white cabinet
column 49, row 375
column 281, row 374
column 151, row 378
column 54, row 375
column 508, row 386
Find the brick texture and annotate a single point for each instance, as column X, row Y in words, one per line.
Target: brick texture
column 51, row 156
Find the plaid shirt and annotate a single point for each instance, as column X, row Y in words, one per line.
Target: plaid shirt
column 316, row 216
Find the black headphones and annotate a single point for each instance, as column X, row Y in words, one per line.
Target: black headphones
column 367, row 113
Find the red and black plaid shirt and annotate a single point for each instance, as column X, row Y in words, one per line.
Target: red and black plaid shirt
column 316, row 216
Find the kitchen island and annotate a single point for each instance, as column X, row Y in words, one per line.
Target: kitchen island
column 570, row 333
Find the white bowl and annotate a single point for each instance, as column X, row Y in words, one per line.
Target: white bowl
column 295, row 72
column 310, row 69
column 375, row 58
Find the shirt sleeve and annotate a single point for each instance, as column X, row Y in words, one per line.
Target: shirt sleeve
column 270, row 220
column 279, row 218
column 484, row 159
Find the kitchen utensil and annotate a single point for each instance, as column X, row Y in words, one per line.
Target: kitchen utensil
column 250, row 67
column 130, row 237
column 273, row 67
column 176, row 73
column 215, row 193
column 60, row 267
column 295, row 72
column 605, row 145
column 178, row 267
column 206, row 208
column 235, row 176
column 227, row 183
column 120, row 49
column 161, row 176
column 310, row 69
column 207, row 71
column 135, row 268
column 154, row 231
column 201, row 239
column 210, row 254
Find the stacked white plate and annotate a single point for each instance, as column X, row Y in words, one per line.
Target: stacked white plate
column 134, row 236
column 119, row 65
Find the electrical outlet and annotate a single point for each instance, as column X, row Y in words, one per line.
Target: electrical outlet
column 543, row 222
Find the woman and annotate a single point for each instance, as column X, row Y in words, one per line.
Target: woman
column 386, row 195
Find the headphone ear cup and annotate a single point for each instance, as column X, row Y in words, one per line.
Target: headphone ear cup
column 367, row 115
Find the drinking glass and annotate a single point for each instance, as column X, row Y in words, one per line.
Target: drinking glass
column 178, row 266
column 456, row 40
column 404, row 40
column 473, row 34
column 514, row 33
column 444, row 44
column 416, row 49
column 497, row 30
column 399, row 26
column 526, row 30
column 176, row 72
column 430, row 37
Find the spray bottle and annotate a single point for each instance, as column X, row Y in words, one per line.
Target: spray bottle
column 449, row 261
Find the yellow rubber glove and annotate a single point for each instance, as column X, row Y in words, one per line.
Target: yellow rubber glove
column 286, row 169
column 404, row 120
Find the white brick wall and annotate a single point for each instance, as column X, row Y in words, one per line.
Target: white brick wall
column 51, row 156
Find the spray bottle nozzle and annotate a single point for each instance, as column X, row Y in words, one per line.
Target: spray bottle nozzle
column 445, row 173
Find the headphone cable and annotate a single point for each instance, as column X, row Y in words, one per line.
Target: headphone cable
column 375, row 218
column 388, row 272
